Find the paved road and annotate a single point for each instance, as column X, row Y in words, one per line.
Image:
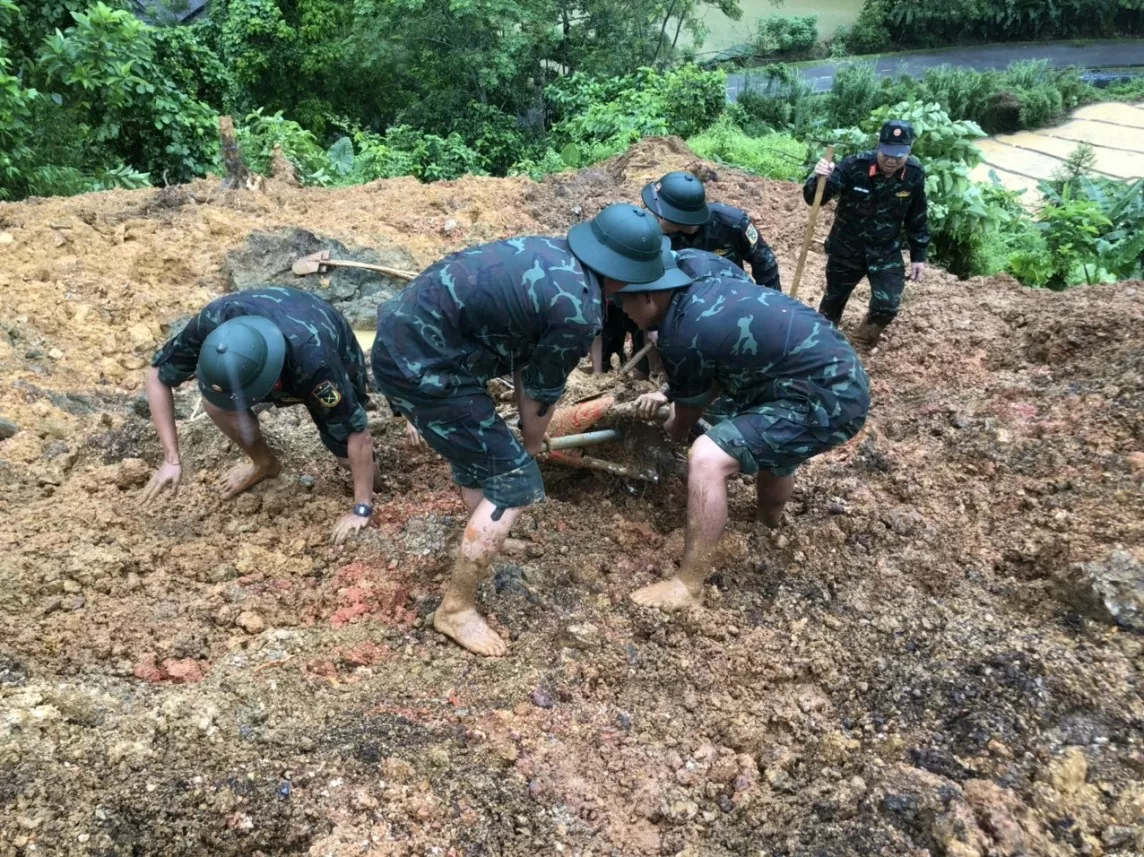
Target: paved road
column 1095, row 55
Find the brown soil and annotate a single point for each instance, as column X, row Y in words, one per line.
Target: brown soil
column 889, row 673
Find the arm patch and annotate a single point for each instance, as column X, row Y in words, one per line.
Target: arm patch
column 752, row 234
column 327, row 394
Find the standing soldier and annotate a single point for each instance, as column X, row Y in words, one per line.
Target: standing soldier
column 529, row 306
column 795, row 386
column 680, row 202
column 877, row 192
column 276, row 345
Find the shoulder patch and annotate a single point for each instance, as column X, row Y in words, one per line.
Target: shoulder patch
column 752, row 234
column 873, row 170
column 326, row 394
column 904, row 193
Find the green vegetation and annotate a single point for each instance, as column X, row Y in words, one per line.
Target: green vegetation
column 92, row 98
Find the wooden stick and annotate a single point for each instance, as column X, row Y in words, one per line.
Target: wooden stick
column 574, row 441
column 393, row 272
column 588, row 463
column 637, row 357
column 811, row 221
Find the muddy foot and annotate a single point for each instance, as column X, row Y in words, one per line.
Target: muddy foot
column 467, row 628
column 244, row 476
column 770, row 518
column 669, row 594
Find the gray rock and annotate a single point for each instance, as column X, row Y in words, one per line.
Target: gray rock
column 1109, row 591
column 585, row 636
column 266, row 259
column 7, row 428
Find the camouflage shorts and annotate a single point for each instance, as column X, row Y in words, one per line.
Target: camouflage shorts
column 467, row 432
column 777, row 436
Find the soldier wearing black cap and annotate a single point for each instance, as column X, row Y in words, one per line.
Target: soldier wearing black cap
column 276, row 345
column 878, row 193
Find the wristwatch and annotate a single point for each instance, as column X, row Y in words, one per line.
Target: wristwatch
column 363, row 510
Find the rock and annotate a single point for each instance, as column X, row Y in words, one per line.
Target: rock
column 250, row 622
column 1068, row 773
column 585, row 636
column 306, row 481
column 265, row 259
column 1114, row 836
column 6, row 238
column 185, row 671
column 56, row 354
column 1109, row 591
column 223, row 573
column 541, row 698
column 141, row 336
column 7, row 428
column 52, row 427
column 132, row 473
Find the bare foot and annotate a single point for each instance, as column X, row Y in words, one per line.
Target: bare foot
column 244, row 476
column 670, row 594
column 467, row 628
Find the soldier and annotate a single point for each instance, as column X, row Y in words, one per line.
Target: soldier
column 796, row 386
column 877, row 192
column 530, row 306
column 276, row 345
column 679, row 201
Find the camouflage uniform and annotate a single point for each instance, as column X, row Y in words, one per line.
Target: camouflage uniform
column 523, row 303
column 324, row 368
column 730, row 233
column 866, row 237
column 797, row 386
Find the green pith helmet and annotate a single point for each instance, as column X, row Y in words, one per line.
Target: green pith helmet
column 678, row 197
column 621, row 242
column 240, row 362
column 673, row 277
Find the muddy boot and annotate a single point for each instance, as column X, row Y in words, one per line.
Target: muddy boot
column 871, row 328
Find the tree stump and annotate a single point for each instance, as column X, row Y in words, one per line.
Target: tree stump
column 237, row 174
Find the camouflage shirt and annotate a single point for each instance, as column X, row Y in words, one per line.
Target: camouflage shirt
column 699, row 263
column 730, row 233
column 324, row 368
column 759, row 345
column 872, row 209
column 522, row 303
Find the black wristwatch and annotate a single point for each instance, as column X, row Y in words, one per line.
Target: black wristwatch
column 363, row 510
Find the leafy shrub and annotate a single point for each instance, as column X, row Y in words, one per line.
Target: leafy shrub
column 405, row 151
column 774, row 156
column 854, row 94
column 777, row 97
column 869, row 34
column 784, row 35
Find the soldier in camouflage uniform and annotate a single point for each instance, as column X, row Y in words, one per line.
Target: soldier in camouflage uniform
column 680, row 202
column 877, row 192
column 276, row 345
column 528, row 306
column 796, row 385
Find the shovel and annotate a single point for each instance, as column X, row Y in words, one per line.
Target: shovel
column 819, row 188
column 317, row 263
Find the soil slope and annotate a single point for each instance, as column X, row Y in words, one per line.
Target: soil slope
column 938, row 653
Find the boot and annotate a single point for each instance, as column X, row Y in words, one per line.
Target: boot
column 871, row 328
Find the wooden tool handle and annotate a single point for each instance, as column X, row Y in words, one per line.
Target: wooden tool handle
column 393, row 272
column 637, row 357
column 819, row 189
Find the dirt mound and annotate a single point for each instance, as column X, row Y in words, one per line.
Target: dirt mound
column 935, row 654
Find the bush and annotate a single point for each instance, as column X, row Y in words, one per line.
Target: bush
column 778, row 98
column 854, row 94
column 782, row 35
column 774, row 156
column 869, row 34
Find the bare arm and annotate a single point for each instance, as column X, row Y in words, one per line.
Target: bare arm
column 360, row 446
column 162, row 404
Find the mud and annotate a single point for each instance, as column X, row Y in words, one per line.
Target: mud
column 937, row 653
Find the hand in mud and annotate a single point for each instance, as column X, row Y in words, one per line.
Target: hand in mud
column 167, row 476
column 648, row 404
column 414, row 438
column 347, row 524
column 917, row 271
column 824, row 167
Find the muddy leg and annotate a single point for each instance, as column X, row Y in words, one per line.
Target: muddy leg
column 242, row 429
column 457, row 617
column 772, row 493
column 707, row 475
